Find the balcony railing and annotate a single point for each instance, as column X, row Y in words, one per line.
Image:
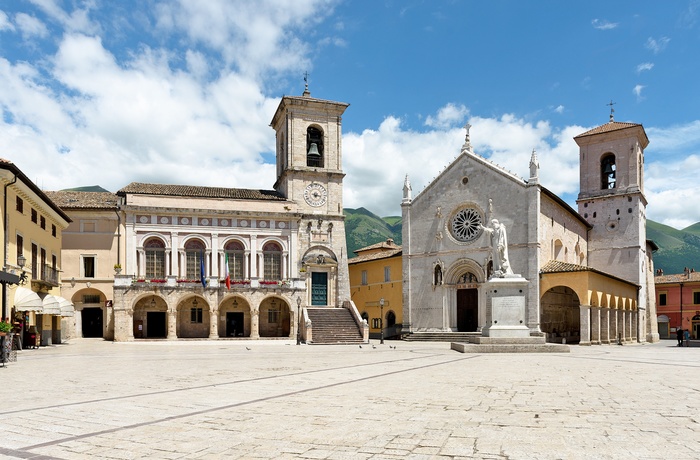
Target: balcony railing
column 49, row 275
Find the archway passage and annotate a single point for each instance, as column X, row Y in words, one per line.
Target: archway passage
column 561, row 315
column 236, row 317
column 274, row 319
column 467, row 310
column 92, row 322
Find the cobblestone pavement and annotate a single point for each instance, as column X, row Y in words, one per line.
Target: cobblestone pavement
column 273, row 399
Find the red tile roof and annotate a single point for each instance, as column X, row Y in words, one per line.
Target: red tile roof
column 609, row 127
column 84, row 200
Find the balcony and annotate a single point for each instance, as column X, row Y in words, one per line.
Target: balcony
column 48, row 276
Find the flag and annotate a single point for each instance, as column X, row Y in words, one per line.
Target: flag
column 201, row 270
column 227, row 274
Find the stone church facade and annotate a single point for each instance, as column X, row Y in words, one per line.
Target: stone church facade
column 588, row 272
column 284, row 249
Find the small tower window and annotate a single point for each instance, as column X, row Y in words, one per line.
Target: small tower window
column 314, row 147
column 607, row 172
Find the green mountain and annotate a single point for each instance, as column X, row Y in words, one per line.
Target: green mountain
column 363, row 228
column 88, row 188
column 677, row 248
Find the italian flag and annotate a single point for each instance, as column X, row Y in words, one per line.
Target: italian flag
column 228, row 276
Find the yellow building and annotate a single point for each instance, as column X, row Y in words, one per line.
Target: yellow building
column 31, row 232
column 92, row 254
column 375, row 274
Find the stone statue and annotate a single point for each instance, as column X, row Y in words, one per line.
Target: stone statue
column 499, row 248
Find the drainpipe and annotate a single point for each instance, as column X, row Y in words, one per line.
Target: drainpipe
column 119, row 234
column 5, row 225
column 4, row 249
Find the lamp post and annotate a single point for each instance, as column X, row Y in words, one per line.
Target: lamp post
column 298, row 320
column 381, row 320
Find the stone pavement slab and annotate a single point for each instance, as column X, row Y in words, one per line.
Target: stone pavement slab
column 217, row 399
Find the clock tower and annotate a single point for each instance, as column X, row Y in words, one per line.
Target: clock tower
column 309, row 173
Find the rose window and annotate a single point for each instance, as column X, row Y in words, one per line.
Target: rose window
column 466, row 224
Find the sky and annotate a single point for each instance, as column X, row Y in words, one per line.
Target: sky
column 98, row 92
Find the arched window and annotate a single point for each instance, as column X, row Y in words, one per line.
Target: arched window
column 236, row 255
column 154, row 249
column 558, row 250
column 314, row 147
column 194, row 253
column 437, row 278
column 272, row 262
column 607, row 171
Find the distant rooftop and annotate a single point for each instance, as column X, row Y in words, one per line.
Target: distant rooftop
column 138, row 188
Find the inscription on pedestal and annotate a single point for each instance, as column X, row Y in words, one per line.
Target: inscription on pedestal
column 508, row 310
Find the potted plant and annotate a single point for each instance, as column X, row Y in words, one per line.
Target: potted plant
column 117, row 268
column 5, row 328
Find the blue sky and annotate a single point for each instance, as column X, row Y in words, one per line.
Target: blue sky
column 103, row 92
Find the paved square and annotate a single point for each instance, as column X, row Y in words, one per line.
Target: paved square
column 273, row 399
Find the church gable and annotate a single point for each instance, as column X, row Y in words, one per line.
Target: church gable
column 448, row 212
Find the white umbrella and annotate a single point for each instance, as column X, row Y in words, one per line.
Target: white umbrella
column 50, row 304
column 67, row 308
column 27, row 300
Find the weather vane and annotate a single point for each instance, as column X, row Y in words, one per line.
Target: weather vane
column 612, row 111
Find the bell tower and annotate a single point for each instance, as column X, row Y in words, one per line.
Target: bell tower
column 612, row 198
column 310, row 173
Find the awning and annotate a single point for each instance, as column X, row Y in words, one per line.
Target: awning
column 67, row 308
column 27, row 300
column 50, row 304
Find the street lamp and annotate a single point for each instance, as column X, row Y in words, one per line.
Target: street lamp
column 298, row 319
column 381, row 320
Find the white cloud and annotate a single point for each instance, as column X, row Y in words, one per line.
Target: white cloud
column 30, row 26
column 5, row 23
column 252, row 37
column 559, row 109
column 637, row 90
column 602, row 24
column 77, row 21
column 447, row 116
column 644, row 66
column 657, row 45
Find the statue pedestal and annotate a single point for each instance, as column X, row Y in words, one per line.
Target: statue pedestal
column 506, row 299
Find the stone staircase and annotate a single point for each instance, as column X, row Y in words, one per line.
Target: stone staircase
column 333, row 326
column 466, row 337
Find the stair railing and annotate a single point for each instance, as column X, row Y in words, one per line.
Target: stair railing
column 361, row 323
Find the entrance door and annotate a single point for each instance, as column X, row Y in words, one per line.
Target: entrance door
column 92, row 322
column 234, row 324
column 319, row 288
column 155, row 324
column 467, row 310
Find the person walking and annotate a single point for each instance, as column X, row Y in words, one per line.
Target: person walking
column 679, row 336
column 686, row 335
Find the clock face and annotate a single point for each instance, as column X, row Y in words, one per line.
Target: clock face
column 315, row 194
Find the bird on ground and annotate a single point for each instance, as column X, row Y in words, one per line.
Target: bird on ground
column 247, row 348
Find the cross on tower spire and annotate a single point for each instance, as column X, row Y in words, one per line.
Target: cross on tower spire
column 612, row 111
column 306, row 84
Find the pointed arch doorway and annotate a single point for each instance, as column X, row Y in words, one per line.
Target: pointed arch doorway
column 467, row 303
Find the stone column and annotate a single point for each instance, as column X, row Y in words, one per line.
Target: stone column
column 213, row 324
column 172, row 324
column 254, row 257
column 620, row 325
column 595, row 325
column 123, row 326
column 285, row 261
column 255, row 324
column 636, row 337
column 585, row 311
column 605, row 326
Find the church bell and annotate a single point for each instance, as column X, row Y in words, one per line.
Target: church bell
column 313, row 150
